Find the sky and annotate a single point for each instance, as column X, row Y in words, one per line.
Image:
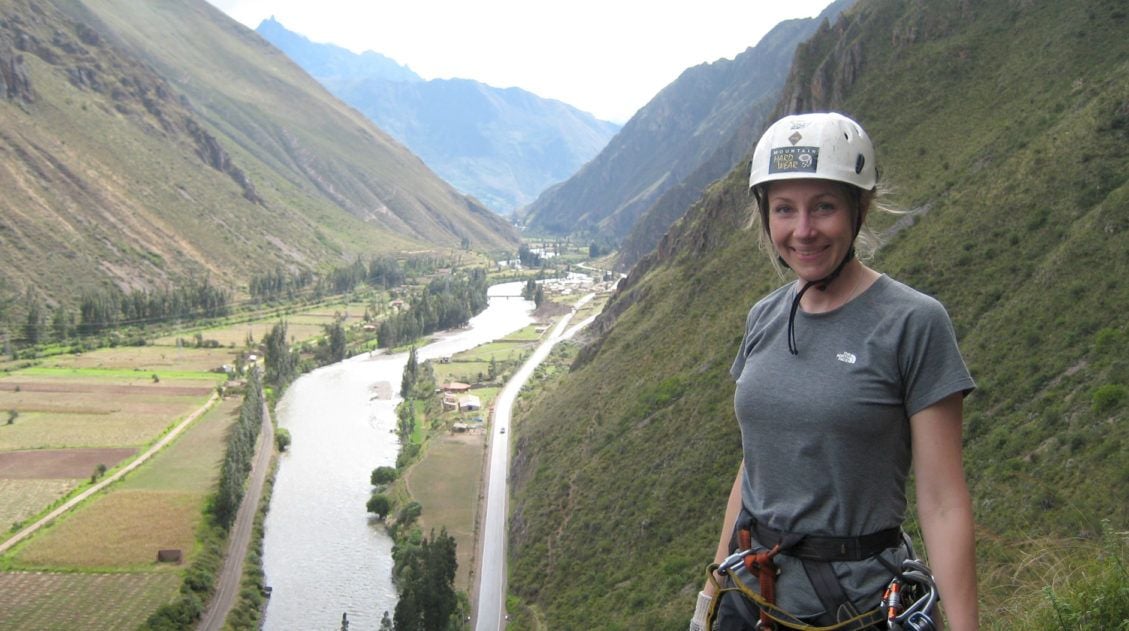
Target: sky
column 605, row 57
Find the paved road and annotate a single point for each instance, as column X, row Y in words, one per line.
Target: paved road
column 492, row 565
column 239, row 538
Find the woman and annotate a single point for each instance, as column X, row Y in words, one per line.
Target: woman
column 845, row 378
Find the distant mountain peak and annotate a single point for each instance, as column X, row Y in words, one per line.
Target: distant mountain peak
column 321, row 60
column 502, row 146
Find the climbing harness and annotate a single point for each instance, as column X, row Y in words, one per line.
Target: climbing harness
column 910, row 598
column 907, row 604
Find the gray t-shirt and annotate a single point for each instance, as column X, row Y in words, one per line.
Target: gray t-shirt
column 825, row 433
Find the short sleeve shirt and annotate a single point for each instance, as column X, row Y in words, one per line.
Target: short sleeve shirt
column 825, row 433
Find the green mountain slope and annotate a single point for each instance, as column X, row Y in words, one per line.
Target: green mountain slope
column 1005, row 126
column 146, row 143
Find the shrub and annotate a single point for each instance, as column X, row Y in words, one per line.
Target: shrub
column 409, row 514
column 282, row 438
column 383, row 475
column 380, row 505
column 1109, row 397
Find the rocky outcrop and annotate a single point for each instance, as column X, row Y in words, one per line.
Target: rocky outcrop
column 213, row 154
column 15, row 84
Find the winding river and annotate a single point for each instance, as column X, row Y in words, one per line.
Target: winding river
column 323, row 555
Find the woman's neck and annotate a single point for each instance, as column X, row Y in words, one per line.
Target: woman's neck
column 852, row 281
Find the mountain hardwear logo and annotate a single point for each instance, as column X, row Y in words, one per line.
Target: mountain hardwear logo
column 846, row 358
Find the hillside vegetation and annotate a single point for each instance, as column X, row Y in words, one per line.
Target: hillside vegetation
column 1004, row 126
column 145, row 144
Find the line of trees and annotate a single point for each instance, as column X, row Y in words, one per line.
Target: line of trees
column 533, row 291
column 107, row 309
column 281, row 363
column 237, row 461
column 278, row 283
column 426, row 578
column 447, row 302
column 384, row 272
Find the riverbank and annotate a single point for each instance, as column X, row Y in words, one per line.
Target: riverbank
column 448, row 479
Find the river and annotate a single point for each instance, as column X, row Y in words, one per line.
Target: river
column 323, row 554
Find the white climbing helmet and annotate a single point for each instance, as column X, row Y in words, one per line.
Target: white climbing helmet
column 826, row 146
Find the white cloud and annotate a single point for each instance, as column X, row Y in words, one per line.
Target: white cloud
column 606, row 57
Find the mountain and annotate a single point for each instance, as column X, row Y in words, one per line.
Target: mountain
column 689, row 135
column 1004, row 127
column 331, row 63
column 502, row 146
column 147, row 144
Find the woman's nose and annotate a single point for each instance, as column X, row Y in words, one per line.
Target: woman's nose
column 805, row 227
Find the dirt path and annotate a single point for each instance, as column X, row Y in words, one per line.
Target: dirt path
column 74, row 501
column 239, row 538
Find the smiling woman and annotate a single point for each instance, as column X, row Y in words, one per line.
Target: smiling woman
column 836, row 381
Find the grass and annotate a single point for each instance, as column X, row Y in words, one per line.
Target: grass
column 32, row 599
column 95, row 413
column 192, row 463
column 21, row 499
column 122, row 530
column 447, row 481
column 146, row 359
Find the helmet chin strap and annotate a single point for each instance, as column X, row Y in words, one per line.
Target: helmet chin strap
column 820, row 284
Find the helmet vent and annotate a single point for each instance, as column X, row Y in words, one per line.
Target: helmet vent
column 860, row 162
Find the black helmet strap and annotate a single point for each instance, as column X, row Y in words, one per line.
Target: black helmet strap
column 820, row 284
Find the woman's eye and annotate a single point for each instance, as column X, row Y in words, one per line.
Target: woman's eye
column 781, row 210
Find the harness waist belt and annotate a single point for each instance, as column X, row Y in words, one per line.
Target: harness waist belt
column 824, row 548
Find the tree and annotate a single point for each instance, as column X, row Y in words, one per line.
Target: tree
column 411, row 374
column 427, row 599
column 33, row 325
column 335, row 333
column 62, row 323
column 282, row 364
column 380, row 505
column 382, row 475
column 282, row 438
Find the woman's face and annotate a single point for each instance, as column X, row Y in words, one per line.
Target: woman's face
column 811, row 225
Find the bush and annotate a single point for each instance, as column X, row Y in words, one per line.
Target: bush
column 380, row 505
column 1100, row 598
column 409, row 514
column 281, row 439
column 1109, row 397
column 383, row 475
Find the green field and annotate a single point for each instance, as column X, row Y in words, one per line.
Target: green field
column 72, row 408
column 20, row 499
column 300, row 326
column 34, row 600
column 447, row 482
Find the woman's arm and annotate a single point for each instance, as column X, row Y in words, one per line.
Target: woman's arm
column 709, row 592
column 944, row 508
column 732, row 510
